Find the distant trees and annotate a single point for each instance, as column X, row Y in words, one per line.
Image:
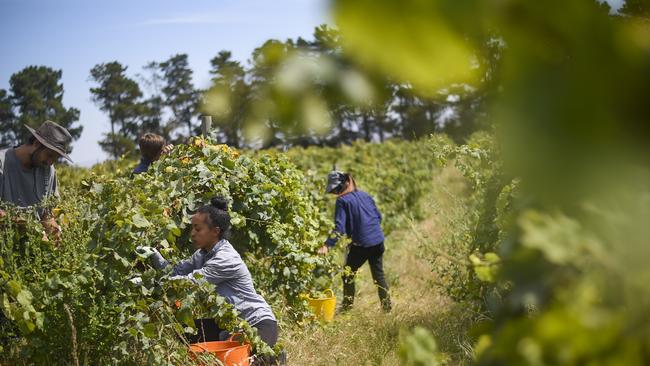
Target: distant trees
column 119, row 96
column 171, row 105
column 639, row 8
column 292, row 92
column 35, row 95
column 229, row 81
column 180, row 95
column 288, row 87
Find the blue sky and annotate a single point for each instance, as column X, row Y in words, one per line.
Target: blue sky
column 75, row 35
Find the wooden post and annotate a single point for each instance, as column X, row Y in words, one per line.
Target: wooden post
column 206, row 125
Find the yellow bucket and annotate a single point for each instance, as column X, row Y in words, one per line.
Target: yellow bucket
column 323, row 308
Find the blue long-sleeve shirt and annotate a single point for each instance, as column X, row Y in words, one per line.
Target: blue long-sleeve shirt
column 358, row 217
column 142, row 166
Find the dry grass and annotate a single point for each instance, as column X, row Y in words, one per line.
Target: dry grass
column 367, row 336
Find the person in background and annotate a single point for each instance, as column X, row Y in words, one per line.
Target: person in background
column 152, row 146
column 217, row 262
column 27, row 174
column 357, row 216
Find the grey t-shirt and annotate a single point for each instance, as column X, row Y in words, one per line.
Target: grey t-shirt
column 24, row 187
column 223, row 267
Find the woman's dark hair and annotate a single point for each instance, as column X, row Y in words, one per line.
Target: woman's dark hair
column 347, row 179
column 217, row 215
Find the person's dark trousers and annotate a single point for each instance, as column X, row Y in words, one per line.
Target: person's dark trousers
column 268, row 332
column 356, row 257
column 206, row 331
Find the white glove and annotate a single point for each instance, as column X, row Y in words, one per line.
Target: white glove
column 153, row 254
column 146, row 251
column 136, row 280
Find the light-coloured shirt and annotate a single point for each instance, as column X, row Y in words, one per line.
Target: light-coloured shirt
column 223, row 267
column 24, row 187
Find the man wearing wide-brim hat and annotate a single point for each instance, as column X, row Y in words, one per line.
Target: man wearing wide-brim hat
column 27, row 174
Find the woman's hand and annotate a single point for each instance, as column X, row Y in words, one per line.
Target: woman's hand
column 323, row 250
column 145, row 251
column 152, row 255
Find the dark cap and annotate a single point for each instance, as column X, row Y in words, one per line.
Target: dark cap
column 54, row 137
column 335, row 179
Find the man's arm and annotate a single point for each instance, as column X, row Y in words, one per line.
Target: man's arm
column 52, row 228
column 54, row 189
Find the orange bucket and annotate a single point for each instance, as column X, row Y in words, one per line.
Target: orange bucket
column 230, row 352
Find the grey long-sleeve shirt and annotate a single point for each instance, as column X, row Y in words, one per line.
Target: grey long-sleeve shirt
column 223, row 267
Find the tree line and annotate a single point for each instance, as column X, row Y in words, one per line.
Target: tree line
column 163, row 99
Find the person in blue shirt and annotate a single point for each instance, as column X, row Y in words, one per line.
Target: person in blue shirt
column 152, row 146
column 358, row 217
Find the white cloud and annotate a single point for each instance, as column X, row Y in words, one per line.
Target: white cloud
column 192, row 19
